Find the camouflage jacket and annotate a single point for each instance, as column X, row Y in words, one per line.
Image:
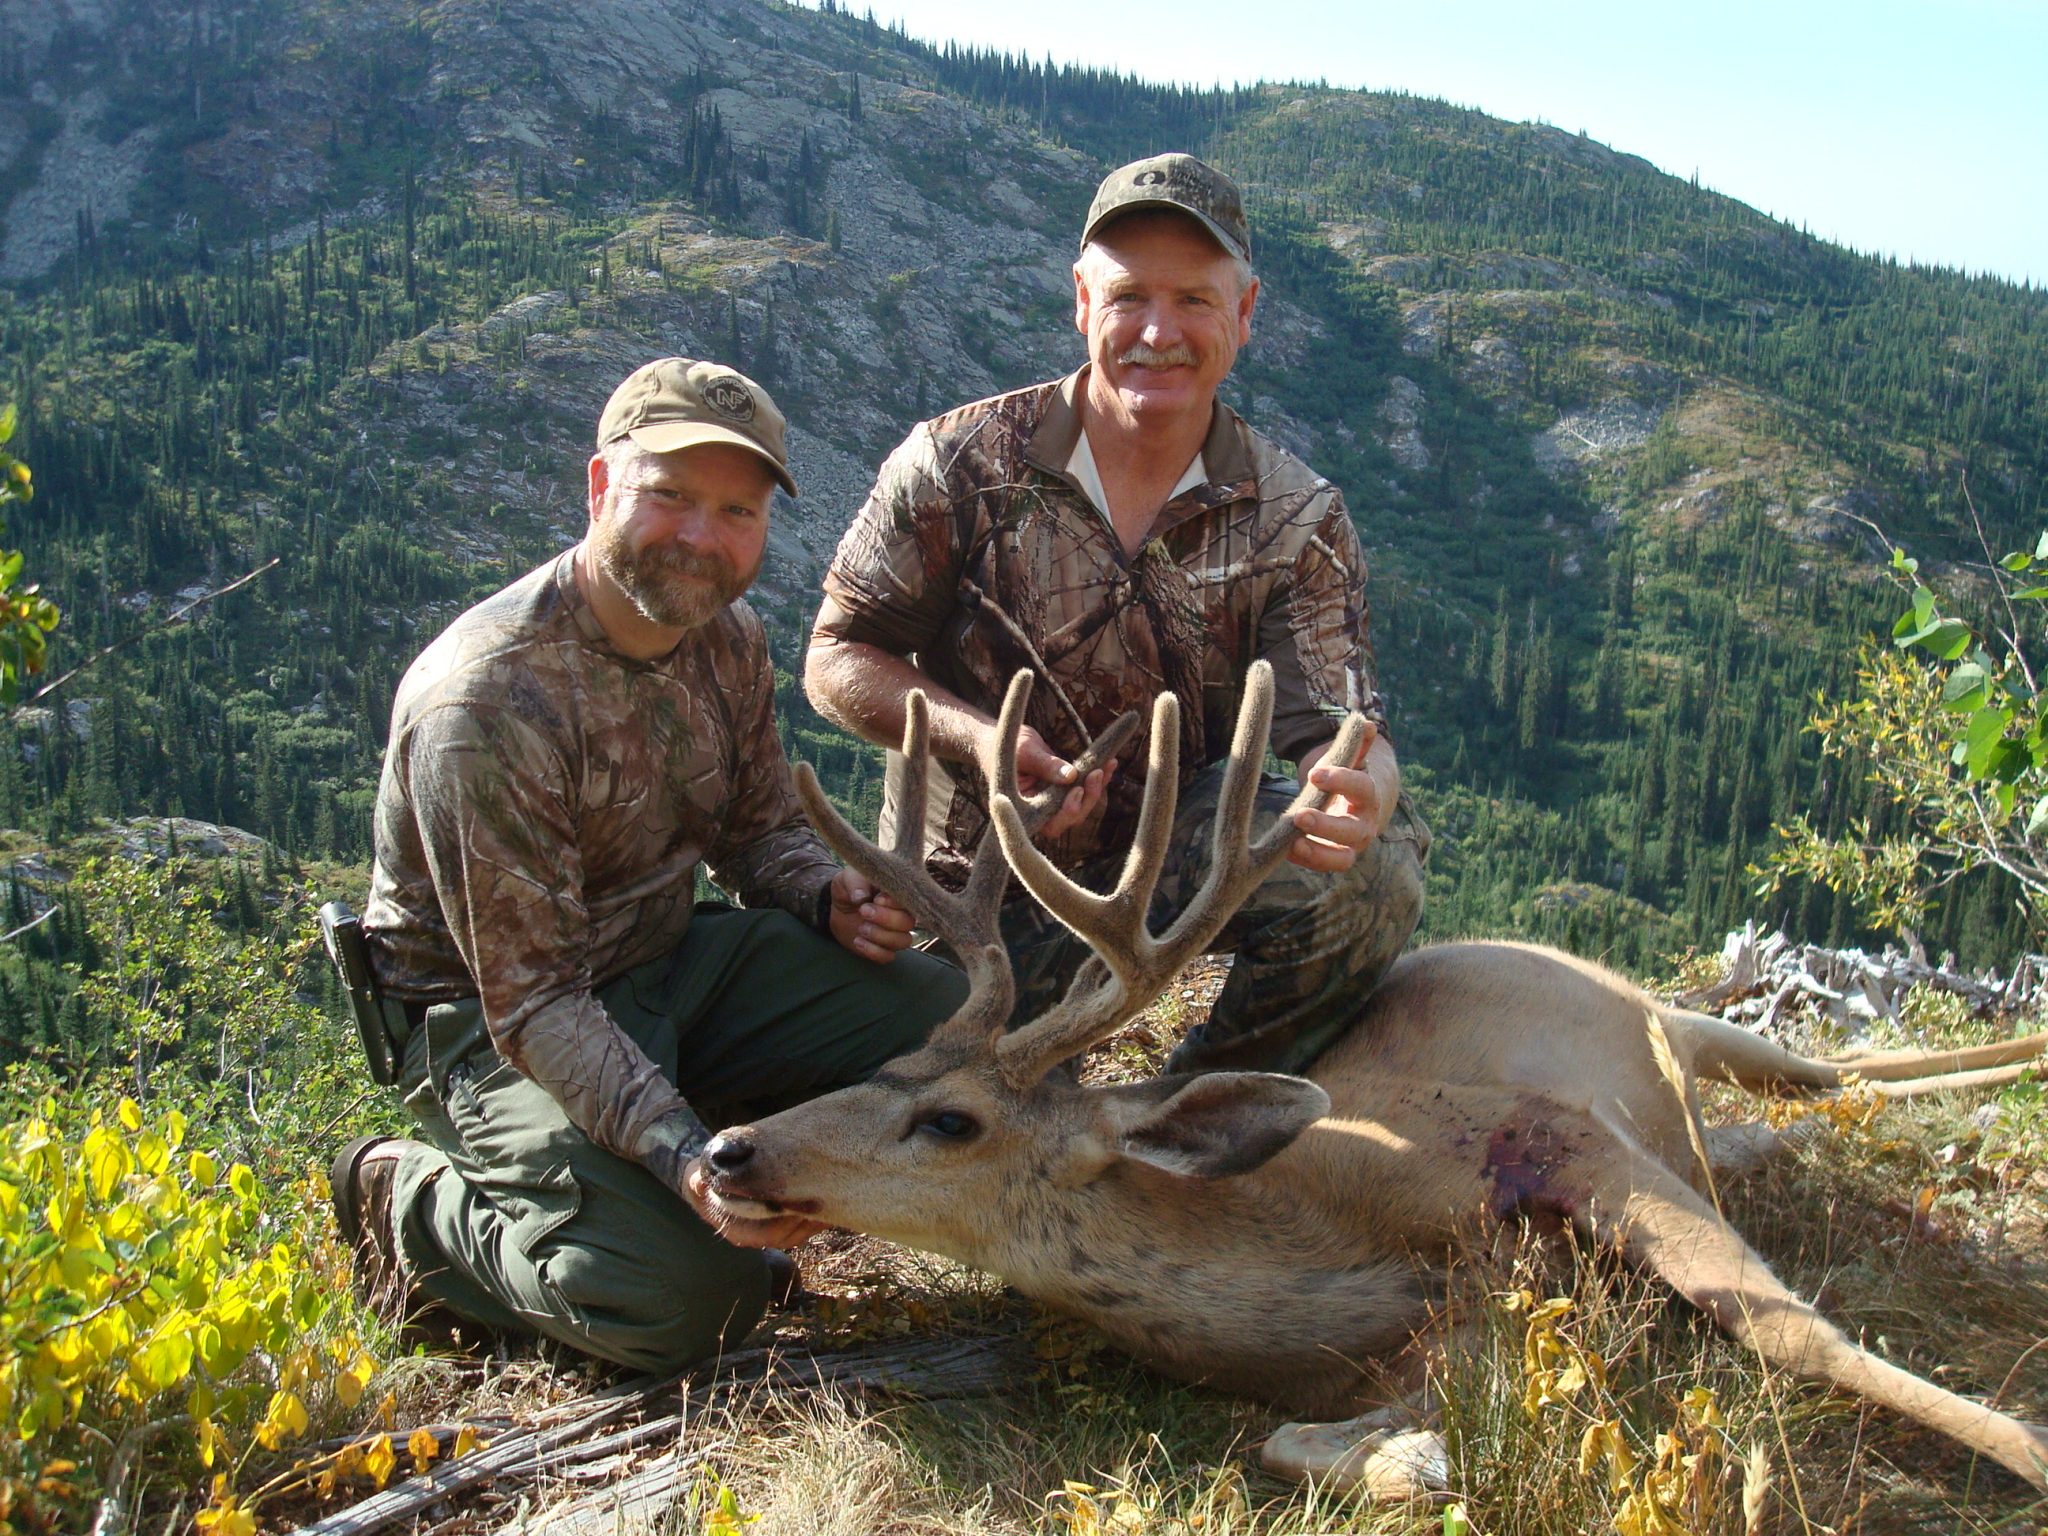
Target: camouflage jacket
column 544, row 808
column 978, row 554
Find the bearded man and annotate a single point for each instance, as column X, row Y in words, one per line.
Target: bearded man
column 567, row 1018
column 1121, row 531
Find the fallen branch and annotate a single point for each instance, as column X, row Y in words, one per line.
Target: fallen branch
column 32, row 923
column 641, row 1498
column 158, row 628
column 114, row 1517
column 929, row 1368
column 511, row 1454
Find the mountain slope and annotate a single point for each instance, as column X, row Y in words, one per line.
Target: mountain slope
column 348, row 284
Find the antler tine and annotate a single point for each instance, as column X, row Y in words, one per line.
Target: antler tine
column 900, row 871
column 1125, row 965
column 1138, row 964
column 910, row 777
column 968, row 921
column 990, row 878
column 1119, row 914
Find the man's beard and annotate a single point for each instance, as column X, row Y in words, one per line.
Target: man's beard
column 671, row 585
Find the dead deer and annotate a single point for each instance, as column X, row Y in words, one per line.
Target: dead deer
column 1277, row 1236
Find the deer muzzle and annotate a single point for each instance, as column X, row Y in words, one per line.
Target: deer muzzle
column 737, row 1178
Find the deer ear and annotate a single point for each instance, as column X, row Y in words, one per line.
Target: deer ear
column 1217, row 1124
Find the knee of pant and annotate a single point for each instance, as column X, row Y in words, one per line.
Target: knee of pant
column 931, row 989
column 663, row 1311
column 1387, row 874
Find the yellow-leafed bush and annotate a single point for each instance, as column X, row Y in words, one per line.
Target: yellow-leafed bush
column 140, row 1279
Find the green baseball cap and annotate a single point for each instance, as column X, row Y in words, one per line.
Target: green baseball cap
column 1180, row 182
column 677, row 402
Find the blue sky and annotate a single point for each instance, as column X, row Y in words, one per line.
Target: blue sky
column 1911, row 129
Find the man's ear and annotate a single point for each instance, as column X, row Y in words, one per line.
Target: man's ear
column 1246, row 303
column 600, row 481
column 1213, row 1125
column 1081, row 299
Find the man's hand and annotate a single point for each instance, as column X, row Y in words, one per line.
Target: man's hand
column 1355, row 815
column 870, row 922
column 1038, row 766
column 740, row 1231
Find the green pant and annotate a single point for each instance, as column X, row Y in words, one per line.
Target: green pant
column 512, row 1218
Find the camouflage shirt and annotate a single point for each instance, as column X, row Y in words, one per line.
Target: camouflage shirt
column 978, row 554
column 545, row 805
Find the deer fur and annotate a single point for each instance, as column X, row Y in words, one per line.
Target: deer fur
column 1286, row 1237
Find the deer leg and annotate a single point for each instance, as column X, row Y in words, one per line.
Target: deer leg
column 1736, row 1151
column 1660, row 1223
column 1729, row 1053
column 1394, row 1453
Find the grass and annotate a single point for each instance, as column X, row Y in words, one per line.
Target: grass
column 1923, row 1230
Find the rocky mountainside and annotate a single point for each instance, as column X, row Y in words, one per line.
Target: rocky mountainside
column 348, row 283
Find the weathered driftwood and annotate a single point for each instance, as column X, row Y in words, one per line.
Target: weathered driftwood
column 523, row 1455
column 1768, row 976
column 115, row 1515
column 568, row 1436
column 641, row 1497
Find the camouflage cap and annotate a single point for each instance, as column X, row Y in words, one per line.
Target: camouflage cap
column 1174, row 181
column 676, row 402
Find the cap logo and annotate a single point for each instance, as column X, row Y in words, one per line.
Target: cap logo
column 1151, row 178
column 730, row 398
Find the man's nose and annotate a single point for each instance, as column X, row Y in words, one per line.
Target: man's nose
column 1162, row 325
column 692, row 526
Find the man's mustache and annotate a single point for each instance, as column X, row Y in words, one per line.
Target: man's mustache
column 681, row 560
column 1138, row 355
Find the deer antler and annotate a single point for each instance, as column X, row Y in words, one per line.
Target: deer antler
column 1131, row 965
column 966, row 920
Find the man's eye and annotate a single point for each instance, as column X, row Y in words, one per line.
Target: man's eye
column 741, row 510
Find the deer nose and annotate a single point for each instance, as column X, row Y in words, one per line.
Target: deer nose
column 729, row 1151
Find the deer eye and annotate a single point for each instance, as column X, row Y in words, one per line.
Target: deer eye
column 950, row 1125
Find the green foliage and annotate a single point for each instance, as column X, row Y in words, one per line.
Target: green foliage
column 1949, row 728
column 26, row 616
column 140, row 1273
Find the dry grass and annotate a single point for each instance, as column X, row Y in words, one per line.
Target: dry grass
column 1923, row 1232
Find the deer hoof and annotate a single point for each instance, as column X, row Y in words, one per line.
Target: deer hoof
column 1390, row 1464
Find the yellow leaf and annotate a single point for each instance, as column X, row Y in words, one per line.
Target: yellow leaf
column 242, row 1182
column 380, row 1459
column 212, row 1443
column 1603, row 1444
column 106, row 1160
column 423, row 1448
column 1701, row 1408
column 350, row 1384
column 130, row 1114
column 203, row 1168
column 285, row 1419
column 153, row 1153
column 467, row 1440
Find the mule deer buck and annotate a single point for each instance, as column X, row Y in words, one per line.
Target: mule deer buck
column 1274, row 1235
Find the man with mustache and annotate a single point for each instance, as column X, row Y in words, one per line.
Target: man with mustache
column 566, row 1016
column 1120, row 531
